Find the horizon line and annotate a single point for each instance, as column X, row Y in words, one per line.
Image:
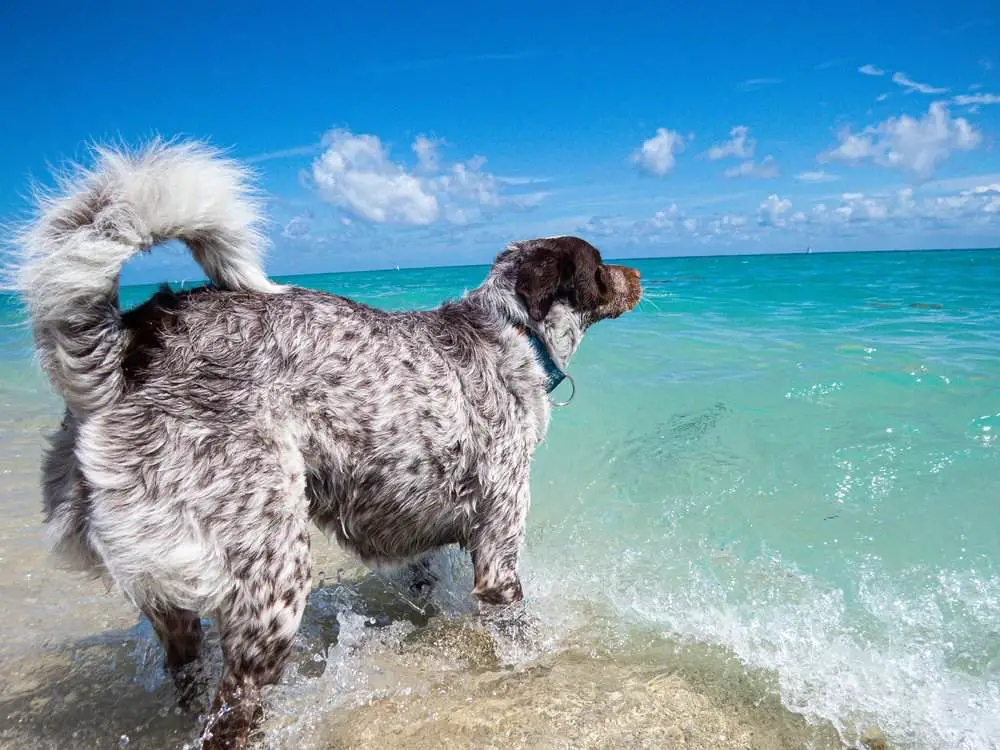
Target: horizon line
column 194, row 283
column 487, row 264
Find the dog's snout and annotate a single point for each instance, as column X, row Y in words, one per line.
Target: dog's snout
column 627, row 291
column 635, row 286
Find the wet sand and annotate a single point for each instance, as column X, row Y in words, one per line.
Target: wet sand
column 571, row 700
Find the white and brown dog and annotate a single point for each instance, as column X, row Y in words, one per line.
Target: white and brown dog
column 205, row 430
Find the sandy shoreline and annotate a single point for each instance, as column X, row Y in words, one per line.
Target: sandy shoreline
column 557, row 707
column 565, row 700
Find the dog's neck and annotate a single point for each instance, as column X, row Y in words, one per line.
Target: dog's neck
column 553, row 340
column 553, row 372
column 561, row 332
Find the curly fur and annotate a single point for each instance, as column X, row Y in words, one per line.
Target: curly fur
column 205, row 430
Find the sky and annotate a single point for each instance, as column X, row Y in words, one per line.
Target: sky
column 435, row 133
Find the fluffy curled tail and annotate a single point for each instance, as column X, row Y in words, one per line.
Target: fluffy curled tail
column 70, row 255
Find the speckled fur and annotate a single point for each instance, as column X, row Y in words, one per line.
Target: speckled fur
column 205, row 430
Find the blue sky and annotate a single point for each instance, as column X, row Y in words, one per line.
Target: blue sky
column 434, row 133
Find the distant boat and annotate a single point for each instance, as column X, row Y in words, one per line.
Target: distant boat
column 397, row 266
column 809, row 250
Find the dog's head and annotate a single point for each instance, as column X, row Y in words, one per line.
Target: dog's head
column 560, row 286
column 566, row 273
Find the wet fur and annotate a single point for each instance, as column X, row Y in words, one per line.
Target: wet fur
column 206, row 430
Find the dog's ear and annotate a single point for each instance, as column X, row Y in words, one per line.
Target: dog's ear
column 539, row 281
column 564, row 266
column 587, row 282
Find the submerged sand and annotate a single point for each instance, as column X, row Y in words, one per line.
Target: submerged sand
column 569, row 701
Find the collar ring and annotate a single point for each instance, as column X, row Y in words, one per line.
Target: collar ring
column 572, row 393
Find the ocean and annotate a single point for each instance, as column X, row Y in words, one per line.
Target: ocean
column 769, row 518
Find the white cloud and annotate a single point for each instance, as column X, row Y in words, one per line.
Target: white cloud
column 917, row 146
column 816, row 176
column 657, row 154
column 603, row 226
column 771, row 213
column 732, row 226
column 983, row 189
column 426, row 150
column 881, row 97
column 298, row 227
column 911, row 85
column 740, row 145
column 851, row 215
column 988, row 195
column 852, row 148
column 894, row 211
column 871, row 70
column 755, row 83
column 356, row 174
column 765, row 169
column 976, row 99
column 673, row 223
column 901, row 208
column 967, row 182
column 285, row 153
column 857, row 207
column 518, row 180
column 832, row 63
column 667, row 218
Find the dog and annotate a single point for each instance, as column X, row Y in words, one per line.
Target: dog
column 205, row 430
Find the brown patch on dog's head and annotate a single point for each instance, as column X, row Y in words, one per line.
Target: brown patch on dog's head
column 570, row 269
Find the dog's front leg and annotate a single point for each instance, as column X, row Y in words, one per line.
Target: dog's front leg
column 496, row 545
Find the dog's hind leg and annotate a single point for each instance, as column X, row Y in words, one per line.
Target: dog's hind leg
column 258, row 623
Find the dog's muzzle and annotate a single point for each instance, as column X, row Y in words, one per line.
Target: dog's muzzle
column 626, row 292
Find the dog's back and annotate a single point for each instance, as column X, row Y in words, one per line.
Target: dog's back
column 398, row 418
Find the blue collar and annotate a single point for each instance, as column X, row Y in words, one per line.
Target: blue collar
column 552, row 372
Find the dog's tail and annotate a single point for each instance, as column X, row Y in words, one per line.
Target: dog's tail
column 70, row 255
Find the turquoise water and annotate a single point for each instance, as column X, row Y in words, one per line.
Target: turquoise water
column 795, row 458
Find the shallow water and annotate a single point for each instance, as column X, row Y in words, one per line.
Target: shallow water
column 768, row 517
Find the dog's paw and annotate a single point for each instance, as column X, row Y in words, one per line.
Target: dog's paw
column 506, row 593
column 510, row 622
column 423, row 587
column 191, row 686
column 421, row 579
